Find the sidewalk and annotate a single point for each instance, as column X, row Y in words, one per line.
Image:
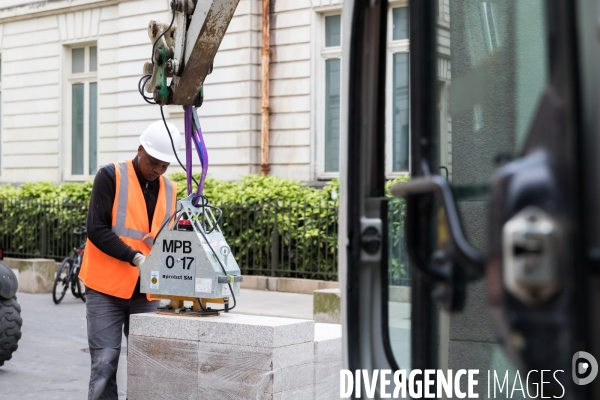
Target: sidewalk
column 52, row 361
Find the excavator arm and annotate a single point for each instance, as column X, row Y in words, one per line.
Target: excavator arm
column 183, row 50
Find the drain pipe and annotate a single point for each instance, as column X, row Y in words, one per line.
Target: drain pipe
column 266, row 59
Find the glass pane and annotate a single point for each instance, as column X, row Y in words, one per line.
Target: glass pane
column 78, row 60
column 333, row 31
column 93, row 144
column 399, row 307
column 400, row 111
column 400, row 21
column 77, row 130
column 492, row 65
column 93, row 58
column 332, row 115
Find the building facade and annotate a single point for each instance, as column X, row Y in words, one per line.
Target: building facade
column 70, row 103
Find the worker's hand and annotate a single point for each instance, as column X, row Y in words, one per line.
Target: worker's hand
column 138, row 260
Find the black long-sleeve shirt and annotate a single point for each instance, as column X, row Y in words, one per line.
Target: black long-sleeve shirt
column 99, row 221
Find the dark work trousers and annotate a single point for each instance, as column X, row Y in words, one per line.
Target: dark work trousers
column 106, row 317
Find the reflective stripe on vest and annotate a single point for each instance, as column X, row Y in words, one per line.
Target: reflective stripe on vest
column 107, row 274
column 169, row 191
column 123, row 195
column 128, row 232
column 119, row 228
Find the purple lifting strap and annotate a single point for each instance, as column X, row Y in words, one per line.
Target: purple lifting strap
column 193, row 132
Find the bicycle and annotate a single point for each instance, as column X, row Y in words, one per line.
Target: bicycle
column 68, row 274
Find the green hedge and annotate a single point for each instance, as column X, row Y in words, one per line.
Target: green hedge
column 277, row 226
column 263, row 217
column 38, row 219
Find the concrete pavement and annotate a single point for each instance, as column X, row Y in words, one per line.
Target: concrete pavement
column 52, row 361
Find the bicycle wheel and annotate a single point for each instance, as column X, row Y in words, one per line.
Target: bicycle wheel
column 79, row 286
column 61, row 282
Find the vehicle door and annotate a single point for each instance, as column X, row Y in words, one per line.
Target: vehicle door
column 499, row 218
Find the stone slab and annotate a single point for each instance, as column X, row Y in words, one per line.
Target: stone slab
column 161, row 368
column 236, row 329
column 328, row 360
column 245, row 381
column 291, row 285
column 255, row 358
column 328, row 371
column 327, row 390
column 35, row 275
column 254, row 282
column 302, row 393
column 306, row 286
column 327, row 306
column 328, row 342
column 399, row 294
column 272, row 284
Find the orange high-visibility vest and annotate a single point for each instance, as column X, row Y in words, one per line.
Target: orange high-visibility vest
column 106, row 274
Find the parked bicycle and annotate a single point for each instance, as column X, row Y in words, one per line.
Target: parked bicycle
column 68, row 273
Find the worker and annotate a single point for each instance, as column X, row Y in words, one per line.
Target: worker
column 129, row 204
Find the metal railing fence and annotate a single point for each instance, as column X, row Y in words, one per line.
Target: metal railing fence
column 398, row 266
column 40, row 228
column 280, row 239
column 283, row 239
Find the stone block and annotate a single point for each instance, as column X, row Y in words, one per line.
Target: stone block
column 35, row 275
column 261, row 282
column 254, row 282
column 328, row 371
column 326, row 306
column 328, row 360
column 253, row 381
column 328, row 342
column 231, row 356
column 235, row 329
column 328, row 285
column 255, row 358
column 399, row 294
column 292, row 285
column 272, row 284
column 249, row 282
column 162, row 326
column 295, row 285
column 302, row 393
column 327, row 390
column 161, row 368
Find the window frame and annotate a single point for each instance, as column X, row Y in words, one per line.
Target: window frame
column 322, row 55
column 394, row 47
column 86, row 78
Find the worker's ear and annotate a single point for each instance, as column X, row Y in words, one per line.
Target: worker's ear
column 140, row 150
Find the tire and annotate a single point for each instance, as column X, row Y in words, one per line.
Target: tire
column 10, row 327
column 77, row 283
column 61, row 282
column 74, row 288
column 80, row 287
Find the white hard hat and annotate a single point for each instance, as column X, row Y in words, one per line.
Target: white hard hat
column 157, row 143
